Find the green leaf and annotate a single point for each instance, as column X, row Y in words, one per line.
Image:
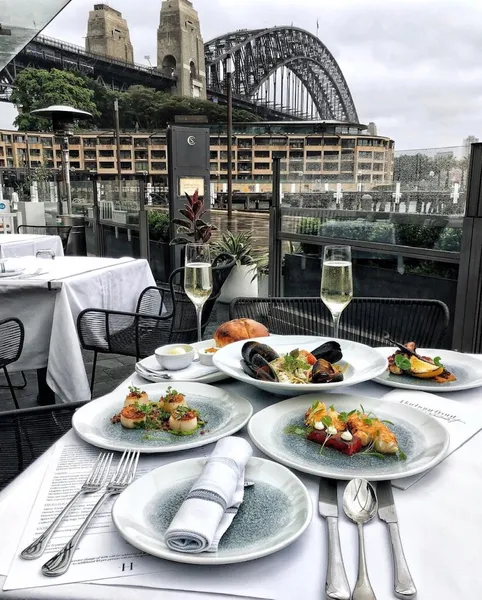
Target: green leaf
column 295, row 430
column 368, row 421
column 437, row 361
column 385, row 421
column 327, row 420
column 182, row 223
column 178, row 240
column 402, row 362
column 402, row 455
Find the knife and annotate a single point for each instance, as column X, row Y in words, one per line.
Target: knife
column 403, row 582
column 336, row 586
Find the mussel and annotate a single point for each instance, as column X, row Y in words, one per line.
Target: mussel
column 256, row 359
column 329, row 351
column 324, row 372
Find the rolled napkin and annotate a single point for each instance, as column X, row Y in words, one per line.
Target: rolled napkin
column 213, row 501
column 193, row 371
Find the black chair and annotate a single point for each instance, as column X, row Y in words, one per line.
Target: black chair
column 27, row 433
column 164, row 315
column 63, row 231
column 365, row 320
column 12, row 335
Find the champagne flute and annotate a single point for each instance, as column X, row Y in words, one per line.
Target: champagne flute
column 336, row 282
column 198, row 278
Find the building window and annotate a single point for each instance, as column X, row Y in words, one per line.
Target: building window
column 159, row 166
column 73, row 141
column 106, row 153
column 142, row 166
column 126, row 154
column 106, row 141
column 141, row 155
column 126, row 141
column 313, row 166
column 90, row 142
column 347, row 166
column 297, row 143
column 75, row 165
column 262, row 166
column 126, row 166
column 313, row 155
column 363, row 154
column 262, row 153
column 72, row 153
column 158, row 154
column 350, row 143
column 330, row 166
column 296, row 154
column 314, row 141
column 106, row 165
column 365, row 166
column 90, row 154
column 242, row 143
column 35, row 152
column 140, row 143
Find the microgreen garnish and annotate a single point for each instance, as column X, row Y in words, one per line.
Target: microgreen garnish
column 437, row 361
column 402, row 362
column 402, row 455
column 135, row 391
column 296, row 430
column 293, row 362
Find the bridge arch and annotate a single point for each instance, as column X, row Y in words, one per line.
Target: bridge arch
column 293, row 67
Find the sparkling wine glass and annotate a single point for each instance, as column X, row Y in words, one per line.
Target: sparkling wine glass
column 336, row 282
column 198, row 278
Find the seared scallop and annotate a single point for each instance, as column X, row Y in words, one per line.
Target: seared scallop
column 183, row 420
column 131, row 417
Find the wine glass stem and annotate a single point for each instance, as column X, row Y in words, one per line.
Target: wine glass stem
column 199, row 313
column 336, row 325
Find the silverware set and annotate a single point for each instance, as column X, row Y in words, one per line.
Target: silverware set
column 36, row 273
column 96, row 480
column 360, row 504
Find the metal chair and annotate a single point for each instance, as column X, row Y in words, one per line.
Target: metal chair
column 27, row 433
column 12, row 335
column 164, row 315
column 365, row 320
column 63, row 231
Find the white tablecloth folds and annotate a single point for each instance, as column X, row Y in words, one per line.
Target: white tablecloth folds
column 151, row 367
column 50, row 316
column 26, row 244
column 7, row 266
column 213, row 501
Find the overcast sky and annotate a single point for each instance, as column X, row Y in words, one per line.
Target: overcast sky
column 413, row 66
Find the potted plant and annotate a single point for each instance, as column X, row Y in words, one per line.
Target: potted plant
column 243, row 279
column 192, row 228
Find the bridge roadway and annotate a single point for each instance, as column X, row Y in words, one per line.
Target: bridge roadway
column 48, row 53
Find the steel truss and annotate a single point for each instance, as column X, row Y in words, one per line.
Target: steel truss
column 291, row 67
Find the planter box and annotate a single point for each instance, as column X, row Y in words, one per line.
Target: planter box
column 160, row 260
column 239, row 284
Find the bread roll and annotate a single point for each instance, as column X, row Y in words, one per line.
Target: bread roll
column 238, row 329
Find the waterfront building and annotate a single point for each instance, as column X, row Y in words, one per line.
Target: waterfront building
column 313, row 154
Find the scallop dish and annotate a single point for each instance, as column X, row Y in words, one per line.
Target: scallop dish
column 170, row 413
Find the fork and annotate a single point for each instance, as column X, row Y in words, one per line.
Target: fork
column 124, row 475
column 93, row 483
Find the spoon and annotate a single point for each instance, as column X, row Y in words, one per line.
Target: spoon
column 360, row 505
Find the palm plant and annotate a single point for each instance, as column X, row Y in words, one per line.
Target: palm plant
column 240, row 246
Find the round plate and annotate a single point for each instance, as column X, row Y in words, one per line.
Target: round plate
column 224, row 412
column 255, row 531
column 364, row 363
column 467, row 369
column 423, row 439
column 151, row 364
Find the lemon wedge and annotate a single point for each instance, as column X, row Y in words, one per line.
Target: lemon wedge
column 424, row 370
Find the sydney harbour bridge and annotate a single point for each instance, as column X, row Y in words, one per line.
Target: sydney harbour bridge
column 279, row 73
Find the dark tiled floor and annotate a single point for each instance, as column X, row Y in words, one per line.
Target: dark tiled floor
column 111, row 371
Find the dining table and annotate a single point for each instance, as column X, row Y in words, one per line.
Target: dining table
column 440, row 518
column 49, row 296
column 14, row 245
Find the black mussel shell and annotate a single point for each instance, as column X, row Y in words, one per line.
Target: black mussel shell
column 259, row 368
column 329, row 351
column 324, row 372
column 251, row 349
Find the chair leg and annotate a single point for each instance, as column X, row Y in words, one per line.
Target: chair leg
column 92, row 380
column 17, row 387
column 12, row 391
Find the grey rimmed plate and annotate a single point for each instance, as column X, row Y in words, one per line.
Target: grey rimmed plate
column 225, row 413
column 466, row 368
column 255, row 531
column 423, row 439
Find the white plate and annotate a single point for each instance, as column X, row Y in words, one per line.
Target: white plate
column 183, row 375
column 363, row 363
column 275, row 512
column 224, row 412
column 423, row 439
column 12, row 273
column 467, row 369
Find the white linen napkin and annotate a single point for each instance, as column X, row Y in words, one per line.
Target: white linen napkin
column 7, row 266
column 213, row 501
column 151, row 368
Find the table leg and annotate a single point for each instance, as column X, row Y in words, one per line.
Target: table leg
column 45, row 396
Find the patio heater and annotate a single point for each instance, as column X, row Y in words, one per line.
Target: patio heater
column 63, row 118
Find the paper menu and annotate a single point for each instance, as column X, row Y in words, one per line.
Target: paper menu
column 102, row 552
column 461, row 421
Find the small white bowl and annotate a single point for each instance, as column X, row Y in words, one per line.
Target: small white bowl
column 174, row 362
column 206, row 358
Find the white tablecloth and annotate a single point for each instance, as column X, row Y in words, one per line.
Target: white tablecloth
column 50, row 315
column 26, row 244
column 440, row 522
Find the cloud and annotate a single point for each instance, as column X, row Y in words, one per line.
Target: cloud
column 413, row 66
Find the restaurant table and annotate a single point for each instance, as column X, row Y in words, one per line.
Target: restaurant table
column 14, row 245
column 440, row 522
column 49, row 303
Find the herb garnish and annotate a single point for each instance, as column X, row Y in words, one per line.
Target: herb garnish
column 293, row 362
column 402, row 362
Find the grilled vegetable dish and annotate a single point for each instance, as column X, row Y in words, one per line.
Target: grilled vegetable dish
column 169, row 414
column 354, row 432
column 406, row 361
column 260, row 361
